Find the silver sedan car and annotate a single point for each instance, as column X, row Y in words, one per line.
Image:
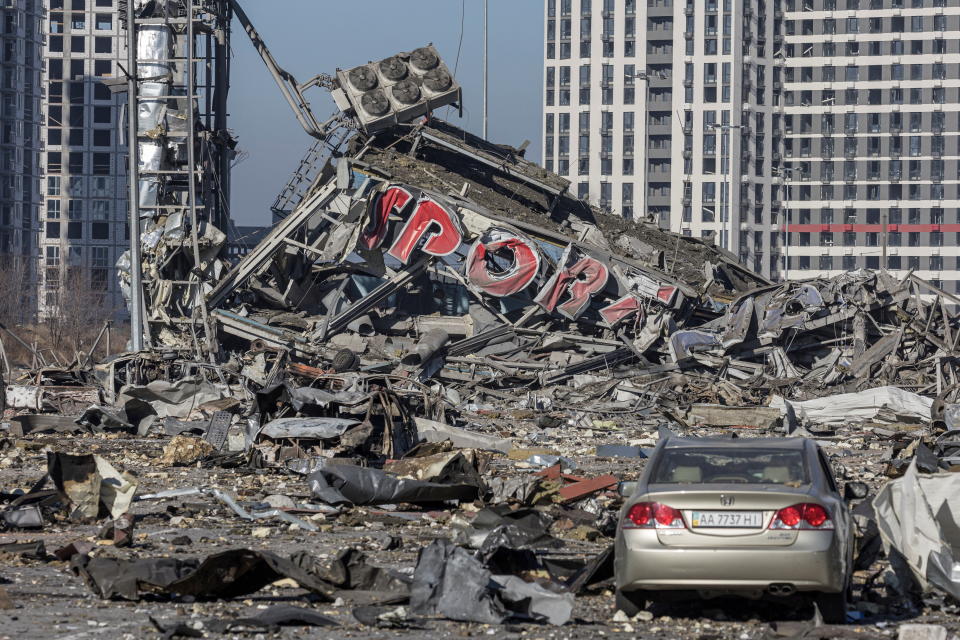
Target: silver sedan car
column 757, row 517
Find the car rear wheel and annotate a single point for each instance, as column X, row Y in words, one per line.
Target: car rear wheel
column 833, row 607
column 631, row 602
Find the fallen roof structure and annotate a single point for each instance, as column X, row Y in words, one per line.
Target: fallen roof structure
column 425, row 251
column 429, row 249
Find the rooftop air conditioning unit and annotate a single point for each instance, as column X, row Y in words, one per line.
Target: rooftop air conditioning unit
column 398, row 89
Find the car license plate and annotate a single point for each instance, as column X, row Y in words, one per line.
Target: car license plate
column 736, row 519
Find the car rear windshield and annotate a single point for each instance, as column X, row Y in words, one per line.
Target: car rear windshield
column 730, row 466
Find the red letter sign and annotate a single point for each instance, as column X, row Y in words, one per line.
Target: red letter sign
column 622, row 308
column 582, row 280
column 522, row 269
column 430, row 220
column 393, row 199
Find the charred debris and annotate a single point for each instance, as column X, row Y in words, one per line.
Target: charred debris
column 431, row 263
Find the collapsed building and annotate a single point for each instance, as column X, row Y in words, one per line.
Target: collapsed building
column 447, row 247
column 427, row 252
column 424, row 252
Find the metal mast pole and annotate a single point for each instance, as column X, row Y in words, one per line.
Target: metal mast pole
column 133, row 174
column 192, row 176
column 486, row 68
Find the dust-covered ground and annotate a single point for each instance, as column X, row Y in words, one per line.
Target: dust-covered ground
column 44, row 600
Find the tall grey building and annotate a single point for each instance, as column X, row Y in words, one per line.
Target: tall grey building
column 674, row 101
column 83, row 227
column 870, row 120
column 20, row 141
column 830, row 117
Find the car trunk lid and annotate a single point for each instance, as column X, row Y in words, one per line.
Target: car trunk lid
column 729, row 516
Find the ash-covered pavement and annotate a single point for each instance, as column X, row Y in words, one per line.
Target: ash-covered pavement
column 44, row 599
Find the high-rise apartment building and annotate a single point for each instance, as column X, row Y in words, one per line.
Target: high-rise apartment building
column 870, row 135
column 84, row 211
column 20, row 93
column 738, row 117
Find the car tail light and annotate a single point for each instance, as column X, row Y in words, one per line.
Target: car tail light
column 653, row 515
column 803, row 516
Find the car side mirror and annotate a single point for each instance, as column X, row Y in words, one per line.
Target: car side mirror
column 855, row 491
column 627, row 489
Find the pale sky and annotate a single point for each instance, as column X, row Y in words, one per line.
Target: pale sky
column 308, row 37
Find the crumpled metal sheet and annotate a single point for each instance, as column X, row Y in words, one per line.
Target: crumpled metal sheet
column 91, row 485
column 343, row 484
column 499, row 525
column 450, row 582
column 461, row 466
column 433, row 431
column 316, row 428
column 174, row 399
column 153, row 51
column 535, row 601
column 301, row 397
column 99, row 418
column 229, row 574
column 916, row 515
column 151, row 107
column 863, row 405
column 43, row 423
column 270, row 620
column 23, row 517
column 681, row 343
column 151, row 155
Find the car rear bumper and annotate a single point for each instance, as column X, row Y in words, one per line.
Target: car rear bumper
column 812, row 563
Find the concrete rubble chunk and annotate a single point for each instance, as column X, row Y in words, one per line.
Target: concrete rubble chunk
column 922, row 632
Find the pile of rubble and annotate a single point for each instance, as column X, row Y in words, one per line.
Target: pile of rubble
column 430, row 254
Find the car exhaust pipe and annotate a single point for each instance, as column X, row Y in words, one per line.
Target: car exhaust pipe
column 781, row 589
